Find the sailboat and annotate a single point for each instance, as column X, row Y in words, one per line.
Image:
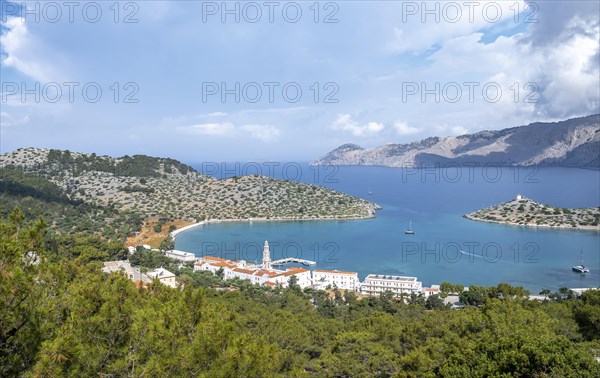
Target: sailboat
column 580, row 268
column 409, row 231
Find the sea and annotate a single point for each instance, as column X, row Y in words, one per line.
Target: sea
column 445, row 245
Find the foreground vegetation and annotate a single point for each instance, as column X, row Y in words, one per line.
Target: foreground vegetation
column 40, row 198
column 60, row 316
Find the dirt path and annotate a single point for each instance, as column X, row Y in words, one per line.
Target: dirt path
column 148, row 236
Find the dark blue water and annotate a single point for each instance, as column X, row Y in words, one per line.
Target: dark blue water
column 446, row 246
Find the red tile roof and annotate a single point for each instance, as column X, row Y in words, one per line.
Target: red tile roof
column 222, row 264
column 242, row 270
column 299, row 270
column 140, row 283
column 267, row 272
column 212, row 258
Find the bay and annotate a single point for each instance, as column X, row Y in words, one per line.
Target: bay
column 445, row 247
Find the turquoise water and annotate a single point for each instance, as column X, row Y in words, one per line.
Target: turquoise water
column 446, row 246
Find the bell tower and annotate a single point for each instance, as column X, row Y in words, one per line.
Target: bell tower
column 266, row 261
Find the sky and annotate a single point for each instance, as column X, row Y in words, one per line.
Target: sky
column 286, row 80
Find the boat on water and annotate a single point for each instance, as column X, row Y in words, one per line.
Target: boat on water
column 580, row 268
column 409, row 230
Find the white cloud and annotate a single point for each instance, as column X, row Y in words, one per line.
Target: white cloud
column 25, row 54
column 459, row 130
column 563, row 19
column 564, row 75
column 224, row 129
column 543, row 77
column 402, row 128
column 7, row 120
column 345, row 122
column 424, row 25
column 265, row 133
column 374, row 127
column 446, row 130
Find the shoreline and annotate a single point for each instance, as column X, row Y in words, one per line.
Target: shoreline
column 174, row 233
column 532, row 289
column 507, row 223
column 441, row 166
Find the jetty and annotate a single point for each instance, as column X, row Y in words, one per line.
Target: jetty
column 294, row 260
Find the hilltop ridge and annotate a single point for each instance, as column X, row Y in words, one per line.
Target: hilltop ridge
column 569, row 143
column 151, row 187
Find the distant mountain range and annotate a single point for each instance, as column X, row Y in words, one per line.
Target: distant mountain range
column 570, row 143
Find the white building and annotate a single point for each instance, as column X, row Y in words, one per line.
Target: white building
column 181, row 255
column 213, row 264
column 303, row 276
column 579, row 291
column 134, row 274
column 263, row 274
column 244, row 274
column 164, row 277
column 336, row 279
column 115, row 266
column 429, row 291
column 377, row 284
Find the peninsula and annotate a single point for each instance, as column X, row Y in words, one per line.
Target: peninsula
column 125, row 196
column 523, row 211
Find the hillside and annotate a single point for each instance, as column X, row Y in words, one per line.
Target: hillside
column 571, row 143
column 165, row 188
column 64, row 317
column 38, row 197
column 526, row 212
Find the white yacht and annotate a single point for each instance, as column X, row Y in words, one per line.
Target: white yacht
column 409, row 231
column 580, row 268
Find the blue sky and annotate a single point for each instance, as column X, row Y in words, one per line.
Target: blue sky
column 385, row 72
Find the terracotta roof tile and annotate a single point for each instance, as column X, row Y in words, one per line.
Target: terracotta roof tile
column 267, row 272
column 212, row 258
column 222, row 265
column 242, row 270
column 299, row 270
